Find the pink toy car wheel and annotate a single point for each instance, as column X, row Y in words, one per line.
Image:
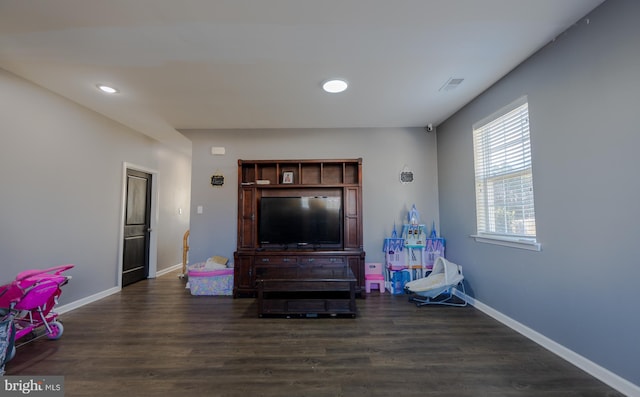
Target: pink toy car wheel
column 56, row 330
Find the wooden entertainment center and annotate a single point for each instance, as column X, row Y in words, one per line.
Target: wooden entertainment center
column 333, row 178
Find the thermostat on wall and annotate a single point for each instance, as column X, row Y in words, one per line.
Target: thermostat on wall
column 218, row 150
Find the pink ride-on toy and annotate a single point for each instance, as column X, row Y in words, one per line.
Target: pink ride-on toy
column 31, row 297
column 373, row 275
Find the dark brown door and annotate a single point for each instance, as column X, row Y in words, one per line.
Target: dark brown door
column 137, row 227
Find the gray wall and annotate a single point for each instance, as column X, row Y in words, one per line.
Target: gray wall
column 581, row 289
column 61, row 177
column 385, row 152
column 174, row 191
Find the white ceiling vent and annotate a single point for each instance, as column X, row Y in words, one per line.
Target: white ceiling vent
column 451, row 84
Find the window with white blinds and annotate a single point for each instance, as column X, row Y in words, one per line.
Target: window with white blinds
column 504, row 182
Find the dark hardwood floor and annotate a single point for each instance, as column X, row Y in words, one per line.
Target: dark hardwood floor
column 155, row 339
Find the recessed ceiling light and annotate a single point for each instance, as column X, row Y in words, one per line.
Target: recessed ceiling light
column 335, row 86
column 107, row 89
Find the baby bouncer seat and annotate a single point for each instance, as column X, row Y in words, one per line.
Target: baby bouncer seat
column 438, row 287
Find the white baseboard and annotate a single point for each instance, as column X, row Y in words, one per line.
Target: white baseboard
column 85, row 301
column 95, row 297
column 620, row 384
column 169, row 270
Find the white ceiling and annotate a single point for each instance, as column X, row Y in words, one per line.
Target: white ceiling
column 260, row 63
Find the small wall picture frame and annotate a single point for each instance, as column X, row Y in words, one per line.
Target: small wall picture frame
column 406, row 176
column 287, row 177
column 217, row 180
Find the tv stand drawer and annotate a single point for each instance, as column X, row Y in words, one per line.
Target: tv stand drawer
column 338, row 260
column 275, row 260
column 322, row 260
column 251, row 265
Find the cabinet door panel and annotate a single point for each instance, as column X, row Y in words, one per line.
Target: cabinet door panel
column 246, row 218
column 352, row 219
column 243, row 272
column 356, row 263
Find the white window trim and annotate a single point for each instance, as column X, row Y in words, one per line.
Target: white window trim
column 513, row 242
column 520, row 242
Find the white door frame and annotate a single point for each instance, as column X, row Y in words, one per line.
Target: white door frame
column 153, row 236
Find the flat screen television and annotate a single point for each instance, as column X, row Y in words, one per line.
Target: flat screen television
column 300, row 221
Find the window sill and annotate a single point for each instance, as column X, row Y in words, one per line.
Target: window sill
column 508, row 242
